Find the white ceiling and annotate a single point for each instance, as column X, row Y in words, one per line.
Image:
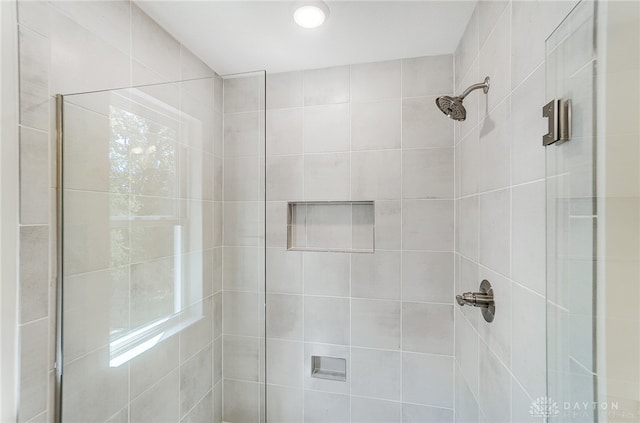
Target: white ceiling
column 241, row 36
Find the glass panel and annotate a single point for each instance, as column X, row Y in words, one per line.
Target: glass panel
column 593, row 217
column 141, row 245
column 571, row 221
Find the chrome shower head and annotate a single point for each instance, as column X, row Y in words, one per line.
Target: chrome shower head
column 453, row 107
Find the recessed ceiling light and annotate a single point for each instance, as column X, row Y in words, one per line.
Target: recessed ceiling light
column 310, row 14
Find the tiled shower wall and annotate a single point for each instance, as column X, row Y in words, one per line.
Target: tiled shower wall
column 359, row 132
column 69, row 47
column 500, row 209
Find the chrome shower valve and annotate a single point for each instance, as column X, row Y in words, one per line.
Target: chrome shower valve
column 482, row 299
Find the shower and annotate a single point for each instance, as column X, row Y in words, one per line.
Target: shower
column 453, row 107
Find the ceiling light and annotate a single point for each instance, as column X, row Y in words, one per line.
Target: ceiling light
column 310, row 14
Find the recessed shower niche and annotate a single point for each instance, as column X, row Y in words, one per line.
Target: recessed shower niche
column 347, row 226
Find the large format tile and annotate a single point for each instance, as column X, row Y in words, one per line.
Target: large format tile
column 427, row 379
column 326, row 86
column 326, row 128
column 423, row 76
column 34, row 273
column 375, row 81
column 375, row 324
column 427, row 328
column 427, row 173
column 376, row 125
column 326, row 320
column 376, row 373
column 427, row 225
column 35, row 53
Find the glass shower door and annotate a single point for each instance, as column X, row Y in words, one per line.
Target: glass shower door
column 141, row 245
column 593, row 217
column 572, row 220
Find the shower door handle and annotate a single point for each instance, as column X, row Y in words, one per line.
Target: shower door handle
column 558, row 113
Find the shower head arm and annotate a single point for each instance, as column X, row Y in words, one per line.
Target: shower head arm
column 484, row 85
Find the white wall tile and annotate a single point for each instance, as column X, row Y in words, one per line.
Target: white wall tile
column 427, row 277
column 423, row 125
column 376, row 125
column 285, row 360
column 427, row 173
column 326, row 176
column 86, row 231
column 468, row 166
column 427, row 328
column 326, row 274
column 326, row 320
column 495, row 218
column 34, row 367
column 243, row 93
column 467, row 49
column 285, row 316
column 489, row 13
column 528, row 328
column 195, row 379
column 284, row 90
column 243, row 268
column 35, row 15
column 375, row 324
column 494, row 147
column 34, row 176
column 423, row 76
column 366, row 410
column 242, row 134
column 149, row 368
column 241, row 358
column 284, row 271
column 285, row 404
column 284, row 131
column 466, row 352
column 528, row 235
column 427, row 379
column 527, row 152
column 326, row 407
column 276, row 221
column 81, row 61
column 35, row 53
column 285, row 177
column 242, row 178
column 326, row 128
column 375, row 175
column 241, row 401
column 427, row 225
column 495, row 398
column 412, row 413
column 497, row 334
column 243, row 223
column 241, row 313
column 466, row 406
column 388, row 221
column 376, row 275
column 376, row 373
column 495, row 53
column 327, row 86
column 99, row 397
column 375, row 81
column 467, row 227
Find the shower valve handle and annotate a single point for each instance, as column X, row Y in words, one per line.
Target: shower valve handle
column 482, row 299
column 475, row 299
